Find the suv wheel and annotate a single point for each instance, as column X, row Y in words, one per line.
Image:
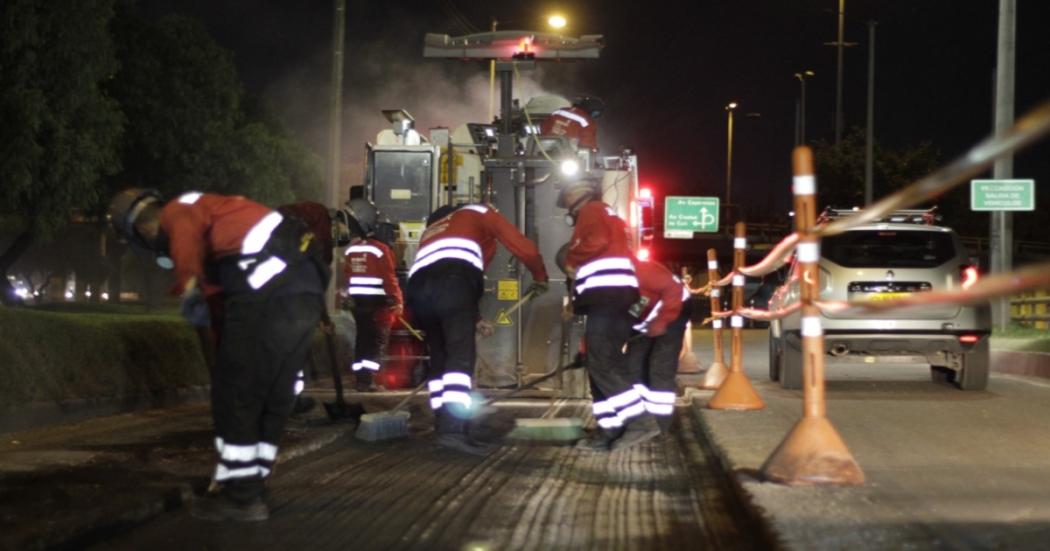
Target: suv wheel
column 774, row 357
column 974, row 372
column 790, row 365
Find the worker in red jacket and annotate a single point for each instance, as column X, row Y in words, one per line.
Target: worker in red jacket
column 662, row 311
column 370, row 280
column 605, row 287
column 576, row 123
column 273, row 281
column 444, row 288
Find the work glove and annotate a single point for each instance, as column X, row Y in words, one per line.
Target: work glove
column 195, row 309
column 537, row 288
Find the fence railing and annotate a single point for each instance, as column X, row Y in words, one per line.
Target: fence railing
column 1031, row 309
column 813, row 452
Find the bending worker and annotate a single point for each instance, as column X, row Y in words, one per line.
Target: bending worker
column 576, row 123
column 371, row 283
column 273, row 281
column 445, row 285
column 663, row 309
column 605, row 286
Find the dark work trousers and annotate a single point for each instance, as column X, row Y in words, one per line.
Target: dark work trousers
column 443, row 299
column 264, row 344
column 372, row 320
column 607, row 330
column 653, row 363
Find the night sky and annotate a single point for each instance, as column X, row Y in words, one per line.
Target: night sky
column 666, row 74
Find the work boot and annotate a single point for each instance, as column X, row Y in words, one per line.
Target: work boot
column 219, row 506
column 599, row 440
column 640, row 429
column 452, row 433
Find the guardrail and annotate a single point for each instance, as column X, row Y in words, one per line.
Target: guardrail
column 1030, row 310
column 813, row 452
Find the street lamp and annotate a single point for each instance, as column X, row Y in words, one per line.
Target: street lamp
column 800, row 139
column 557, row 21
column 729, row 150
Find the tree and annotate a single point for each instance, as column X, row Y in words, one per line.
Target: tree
column 60, row 127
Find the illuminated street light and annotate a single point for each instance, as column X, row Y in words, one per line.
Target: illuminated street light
column 557, row 21
column 729, row 150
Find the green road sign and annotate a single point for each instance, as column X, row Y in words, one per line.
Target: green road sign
column 1002, row 194
column 685, row 215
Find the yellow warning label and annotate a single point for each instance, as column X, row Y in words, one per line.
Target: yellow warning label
column 507, row 289
column 503, row 319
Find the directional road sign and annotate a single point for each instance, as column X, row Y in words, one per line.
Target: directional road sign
column 1002, row 194
column 685, row 215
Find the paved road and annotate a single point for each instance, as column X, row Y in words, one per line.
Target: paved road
column 945, row 468
column 411, row 494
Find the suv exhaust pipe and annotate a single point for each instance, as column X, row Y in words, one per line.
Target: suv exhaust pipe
column 839, row 350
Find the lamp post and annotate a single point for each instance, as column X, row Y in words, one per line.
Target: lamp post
column 801, row 138
column 555, row 21
column 729, row 151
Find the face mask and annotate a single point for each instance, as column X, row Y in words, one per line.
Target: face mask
column 570, row 220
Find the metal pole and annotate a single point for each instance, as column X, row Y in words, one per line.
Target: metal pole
column 798, row 129
column 729, row 157
column 838, row 78
column 335, row 123
column 1001, row 238
column 802, row 125
column 869, row 149
column 492, row 81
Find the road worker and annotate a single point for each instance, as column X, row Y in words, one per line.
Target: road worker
column 604, row 289
column 577, row 123
column 272, row 280
column 662, row 311
column 370, row 280
column 445, row 286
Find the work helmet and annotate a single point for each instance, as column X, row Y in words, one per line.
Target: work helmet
column 125, row 209
column 593, row 106
column 572, row 188
column 361, row 216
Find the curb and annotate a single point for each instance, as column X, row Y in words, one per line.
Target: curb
column 1032, row 364
column 754, row 515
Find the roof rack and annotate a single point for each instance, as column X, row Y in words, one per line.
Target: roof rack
column 904, row 216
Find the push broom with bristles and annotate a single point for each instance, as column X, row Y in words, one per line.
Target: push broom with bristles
column 387, row 425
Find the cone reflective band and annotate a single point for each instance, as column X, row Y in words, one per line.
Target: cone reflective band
column 739, row 242
column 717, row 324
column 805, row 184
column 715, row 293
column 737, row 321
column 712, row 264
column 738, row 281
column 811, row 327
column 808, row 252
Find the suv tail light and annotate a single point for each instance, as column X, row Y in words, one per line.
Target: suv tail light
column 968, row 276
column 969, row 339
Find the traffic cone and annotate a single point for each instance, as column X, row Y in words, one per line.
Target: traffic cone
column 714, row 376
column 736, row 393
column 813, row 453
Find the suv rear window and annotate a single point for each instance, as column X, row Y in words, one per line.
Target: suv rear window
column 889, row 249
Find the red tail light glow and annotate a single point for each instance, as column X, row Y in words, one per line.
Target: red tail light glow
column 645, row 193
column 969, row 339
column 643, row 254
column 969, row 276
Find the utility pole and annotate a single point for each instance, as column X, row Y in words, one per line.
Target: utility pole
column 331, row 196
column 802, row 76
column 839, row 44
column 869, row 144
column 1001, row 237
column 729, row 153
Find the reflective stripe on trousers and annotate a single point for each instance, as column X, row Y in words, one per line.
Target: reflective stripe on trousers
column 451, row 388
column 237, row 461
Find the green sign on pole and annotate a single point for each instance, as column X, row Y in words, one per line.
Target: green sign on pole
column 1002, row 194
column 685, row 215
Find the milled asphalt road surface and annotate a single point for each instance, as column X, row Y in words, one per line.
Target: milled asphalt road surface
column 945, row 468
column 412, row 494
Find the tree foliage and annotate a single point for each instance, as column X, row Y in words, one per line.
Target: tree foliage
column 187, row 124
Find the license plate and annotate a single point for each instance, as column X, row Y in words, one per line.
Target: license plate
column 888, row 296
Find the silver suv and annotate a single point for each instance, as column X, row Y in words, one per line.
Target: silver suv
column 902, row 254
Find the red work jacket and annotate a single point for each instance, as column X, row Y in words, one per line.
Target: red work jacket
column 599, row 251
column 572, row 123
column 470, row 234
column 370, row 270
column 206, row 227
column 661, row 298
